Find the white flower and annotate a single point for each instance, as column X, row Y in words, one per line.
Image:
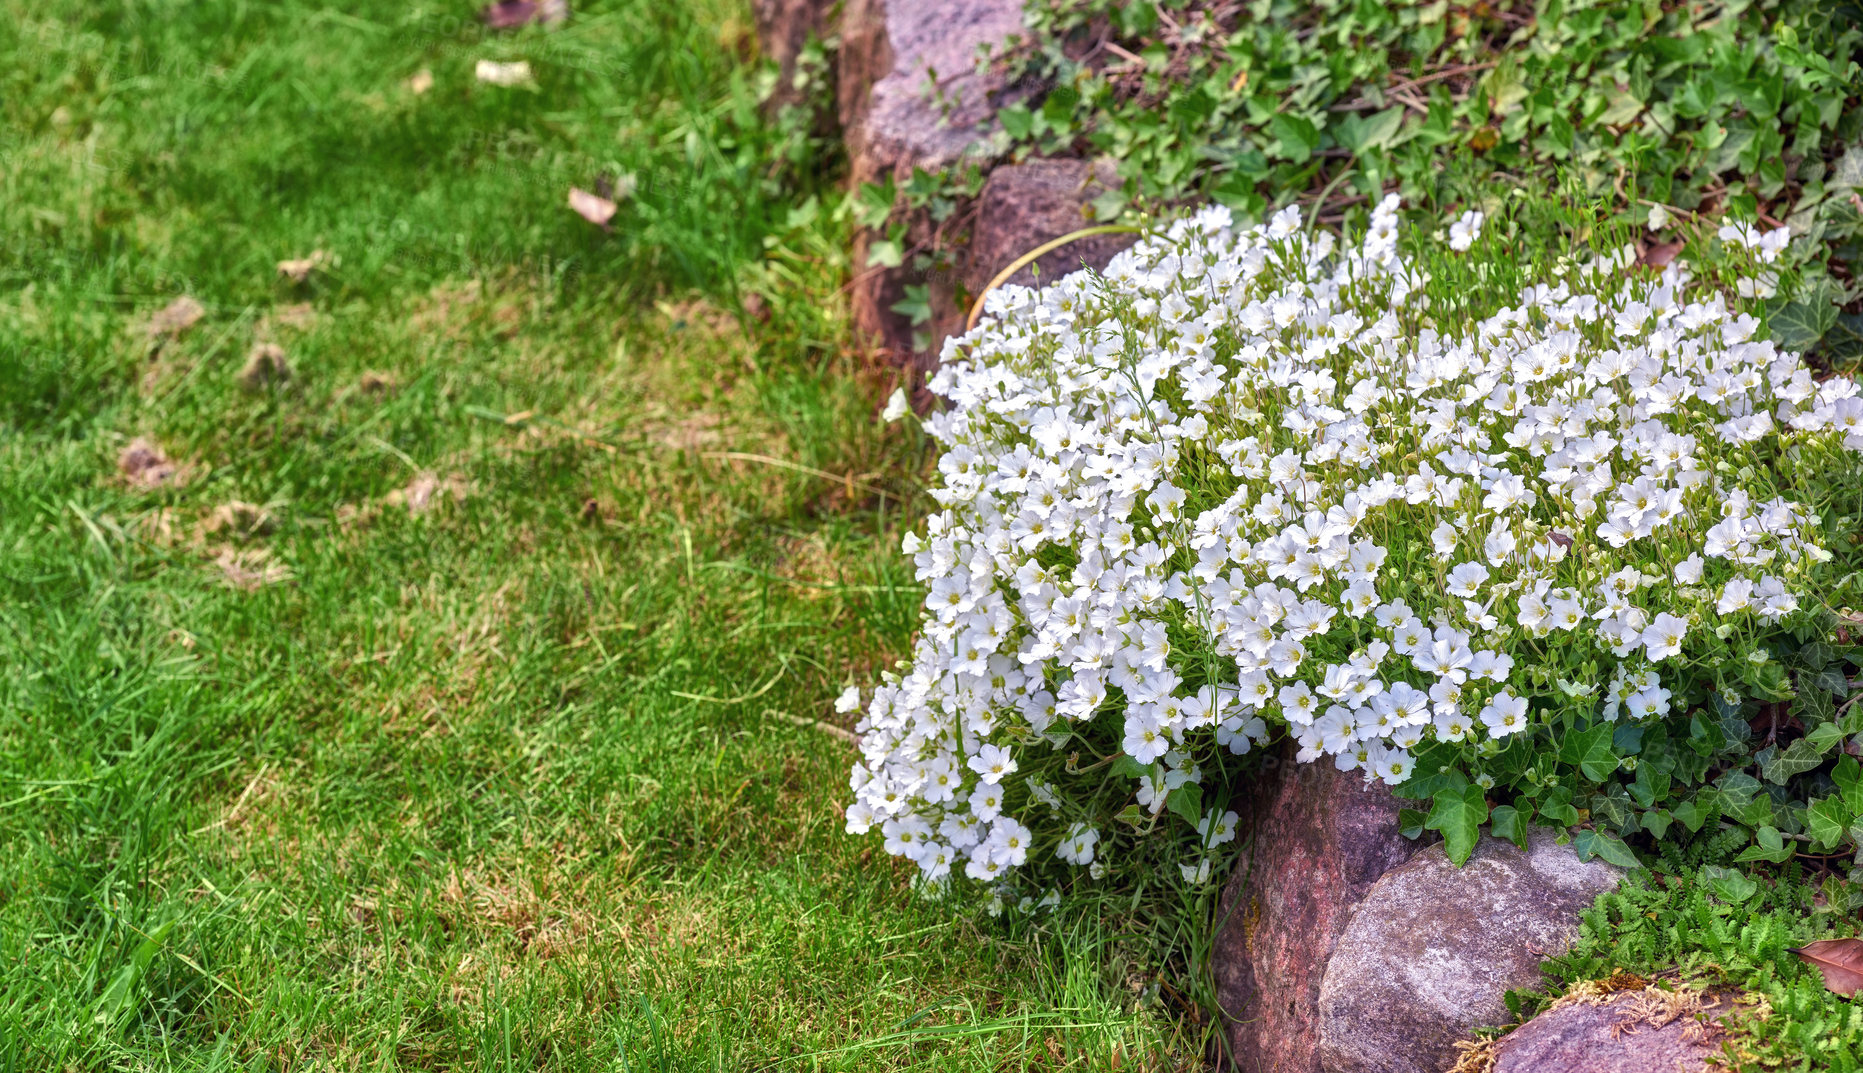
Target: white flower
column 1505, row 714
column 492, row 72
column 1466, row 229
column 1330, row 526
column 848, row 701
column 993, row 762
column 1659, row 217
column 1662, row 638
column 896, row 406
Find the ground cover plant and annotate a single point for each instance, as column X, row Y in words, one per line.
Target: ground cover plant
column 1559, row 555
column 1750, row 107
column 418, row 659
column 1711, row 927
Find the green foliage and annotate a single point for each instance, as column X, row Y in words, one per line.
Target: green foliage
column 1734, row 107
column 515, row 782
column 1720, row 927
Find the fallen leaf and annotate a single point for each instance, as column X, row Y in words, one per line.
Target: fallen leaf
column 503, row 74
column 1659, row 254
column 420, row 81
column 509, row 14
column 427, row 490
column 176, row 317
column 591, row 207
column 265, row 367
column 144, row 464
column 299, row 270
column 250, row 568
column 1839, row 960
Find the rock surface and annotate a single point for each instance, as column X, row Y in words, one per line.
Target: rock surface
column 1025, row 205
column 902, row 63
column 910, row 96
column 1321, row 838
column 1630, row 1032
column 1432, row 949
column 783, row 29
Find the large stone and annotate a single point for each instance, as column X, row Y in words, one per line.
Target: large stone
column 1628, row 1032
column 1432, row 949
column 910, row 92
column 1319, row 840
column 910, row 95
column 1021, row 207
column 1025, row 205
column 783, row 30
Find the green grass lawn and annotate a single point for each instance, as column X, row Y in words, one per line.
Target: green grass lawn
column 383, row 733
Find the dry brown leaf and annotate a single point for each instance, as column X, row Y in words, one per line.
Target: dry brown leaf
column 176, row 317
column 594, row 208
column 265, row 366
column 298, row 316
column 299, row 270
column 374, row 383
column 420, row 81
column 1659, row 254
column 250, row 568
column 1839, row 960
column 427, row 490
column 145, row 465
column 509, row 14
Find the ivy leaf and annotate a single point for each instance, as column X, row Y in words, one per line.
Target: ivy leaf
column 1557, row 807
column 1131, row 814
column 1848, row 774
column 1769, row 845
column 1187, row 802
column 1799, row 757
column 1506, row 821
column 1731, row 885
column 1803, row 322
column 1125, row 764
column 1410, row 822
column 1295, row 138
column 1459, row 815
column 1605, row 846
column 1826, row 820
column 916, row 304
column 1589, row 750
column 1697, row 810
column 1656, row 821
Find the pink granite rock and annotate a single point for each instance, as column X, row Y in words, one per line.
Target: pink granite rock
column 1320, row 839
column 1432, row 950
column 1629, row 1033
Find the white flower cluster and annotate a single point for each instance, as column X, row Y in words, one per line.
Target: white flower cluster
column 1243, row 483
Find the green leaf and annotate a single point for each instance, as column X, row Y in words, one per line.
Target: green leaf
column 1295, row 138
column 1731, row 885
column 1698, row 809
column 1769, row 845
column 1459, row 815
column 1506, row 821
column 1125, row 764
column 1589, row 750
column 1796, row 759
column 1410, row 822
column 916, row 304
column 1131, row 814
column 1802, row 323
column 1826, row 821
column 1656, row 821
column 1187, row 802
column 1557, row 807
column 1605, row 846
column 1848, row 774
